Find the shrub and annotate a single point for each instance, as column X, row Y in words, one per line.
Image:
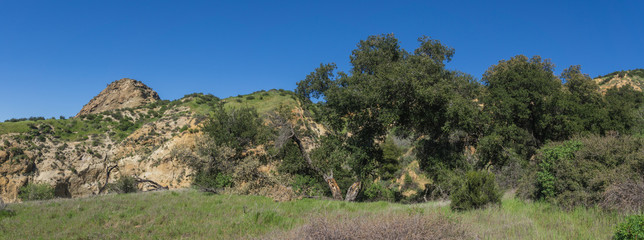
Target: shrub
column 33, row 191
column 5, row 212
column 445, row 183
column 477, row 190
column 125, row 184
column 205, row 179
column 587, row 171
column 237, row 128
column 553, row 156
column 378, row 192
column 625, row 196
column 632, row 228
column 307, row 185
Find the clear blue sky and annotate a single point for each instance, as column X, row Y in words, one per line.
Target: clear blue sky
column 56, row 55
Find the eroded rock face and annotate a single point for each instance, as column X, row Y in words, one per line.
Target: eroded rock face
column 79, row 168
column 124, row 93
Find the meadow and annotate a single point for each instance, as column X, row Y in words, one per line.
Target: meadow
column 191, row 214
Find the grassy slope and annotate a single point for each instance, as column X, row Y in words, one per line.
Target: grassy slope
column 14, row 127
column 263, row 101
column 194, row 215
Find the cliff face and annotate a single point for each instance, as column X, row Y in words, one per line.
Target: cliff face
column 124, row 93
column 82, row 167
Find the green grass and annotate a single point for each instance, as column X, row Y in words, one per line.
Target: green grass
column 73, row 129
column 262, row 101
column 15, row 127
column 190, row 214
column 519, row 220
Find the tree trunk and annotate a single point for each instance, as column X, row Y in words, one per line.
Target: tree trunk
column 353, row 191
column 330, row 180
column 333, row 185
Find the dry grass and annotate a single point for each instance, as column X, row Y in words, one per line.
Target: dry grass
column 378, row 226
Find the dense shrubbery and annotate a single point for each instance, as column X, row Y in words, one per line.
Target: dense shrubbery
column 586, row 171
column 378, row 192
column 477, row 190
column 36, row 191
column 225, row 159
column 631, row 228
column 308, row 185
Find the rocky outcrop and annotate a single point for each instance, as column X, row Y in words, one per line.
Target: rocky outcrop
column 80, row 168
column 124, row 93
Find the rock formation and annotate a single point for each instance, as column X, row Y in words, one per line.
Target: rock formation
column 124, row 93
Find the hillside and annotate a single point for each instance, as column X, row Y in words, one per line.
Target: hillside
column 618, row 79
column 126, row 130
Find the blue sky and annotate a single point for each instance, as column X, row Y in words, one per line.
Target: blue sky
column 56, row 55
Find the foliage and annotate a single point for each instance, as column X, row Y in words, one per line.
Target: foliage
column 225, row 158
column 24, row 119
column 477, row 190
column 390, row 155
column 550, row 158
column 583, row 103
column 237, row 128
column 212, row 180
column 631, row 228
column 391, row 87
column 308, row 185
column 624, row 106
column 125, row 184
column 378, row 192
column 523, row 92
column 36, row 191
column 579, row 172
column 292, row 160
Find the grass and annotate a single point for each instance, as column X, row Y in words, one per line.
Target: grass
column 14, row 127
column 519, row 220
column 190, row 214
column 262, row 101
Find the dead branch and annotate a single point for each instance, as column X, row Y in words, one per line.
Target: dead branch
column 154, row 184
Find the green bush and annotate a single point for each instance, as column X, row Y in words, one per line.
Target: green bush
column 445, row 183
column 632, row 228
column 205, row 179
column 477, row 190
column 551, row 157
column 307, row 185
column 125, row 184
column 378, row 192
column 34, row 191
